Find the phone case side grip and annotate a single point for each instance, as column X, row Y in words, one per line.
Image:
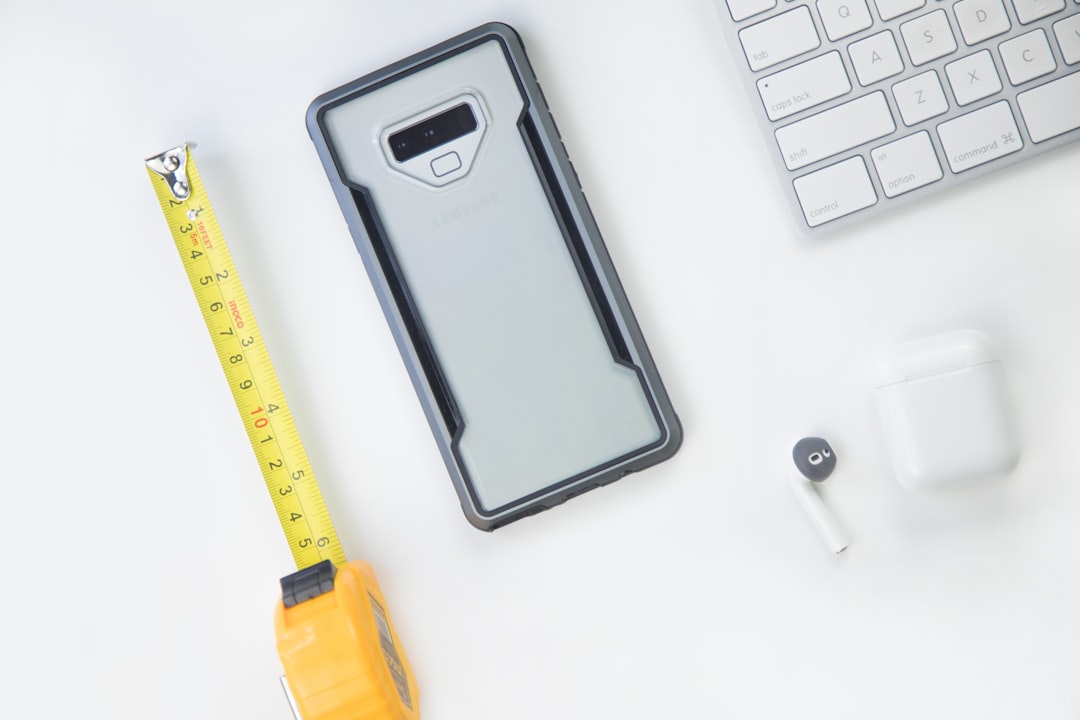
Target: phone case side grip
column 598, row 272
column 570, row 207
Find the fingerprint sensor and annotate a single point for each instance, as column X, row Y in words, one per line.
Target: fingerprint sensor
column 446, row 164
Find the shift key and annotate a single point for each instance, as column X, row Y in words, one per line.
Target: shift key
column 835, row 130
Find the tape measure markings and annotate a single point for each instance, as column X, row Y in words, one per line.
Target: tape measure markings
column 245, row 360
column 336, row 643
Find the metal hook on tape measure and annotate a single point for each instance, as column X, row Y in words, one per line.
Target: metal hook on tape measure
column 172, row 165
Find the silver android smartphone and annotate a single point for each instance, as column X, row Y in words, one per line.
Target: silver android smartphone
column 491, row 272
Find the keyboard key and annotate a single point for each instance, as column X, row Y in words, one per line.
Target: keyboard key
column 973, row 78
column 1027, row 57
column 1028, row 11
column 843, row 17
column 876, row 58
column 1052, row 109
column 907, row 164
column 835, row 130
column 979, row 137
column 889, row 9
column 928, row 37
column 834, row 192
column 920, row 98
column 981, row 19
column 1068, row 37
column 876, row 102
column 779, row 38
column 742, row 9
column 804, row 86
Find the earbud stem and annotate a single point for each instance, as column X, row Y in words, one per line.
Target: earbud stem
column 823, row 520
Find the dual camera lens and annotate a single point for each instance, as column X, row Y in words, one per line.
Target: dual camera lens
column 436, row 130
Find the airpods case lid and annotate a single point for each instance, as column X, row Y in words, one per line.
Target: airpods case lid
column 944, row 412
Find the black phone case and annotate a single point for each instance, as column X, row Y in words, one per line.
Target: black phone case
column 522, row 347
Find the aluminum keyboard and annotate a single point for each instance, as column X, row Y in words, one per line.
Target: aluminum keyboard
column 871, row 103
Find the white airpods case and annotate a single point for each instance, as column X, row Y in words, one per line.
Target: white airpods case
column 944, row 412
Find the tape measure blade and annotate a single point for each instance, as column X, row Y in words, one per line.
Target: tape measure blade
column 244, row 358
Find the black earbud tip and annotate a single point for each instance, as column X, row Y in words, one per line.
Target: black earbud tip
column 814, row 458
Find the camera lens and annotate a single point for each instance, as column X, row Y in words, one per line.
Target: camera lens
column 433, row 132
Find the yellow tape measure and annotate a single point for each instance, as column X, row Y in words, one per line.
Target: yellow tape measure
column 245, row 359
column 341, row 655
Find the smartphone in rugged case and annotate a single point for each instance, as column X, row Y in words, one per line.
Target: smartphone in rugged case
column 491, row 272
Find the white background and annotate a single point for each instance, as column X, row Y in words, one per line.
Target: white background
column 139, row 551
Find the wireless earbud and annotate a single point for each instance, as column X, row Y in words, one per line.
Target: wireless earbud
column 816, row 460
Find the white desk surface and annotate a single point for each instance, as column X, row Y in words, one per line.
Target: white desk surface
column 140, row 553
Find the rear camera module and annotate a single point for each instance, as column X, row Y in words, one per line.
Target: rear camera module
column 436, row 130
